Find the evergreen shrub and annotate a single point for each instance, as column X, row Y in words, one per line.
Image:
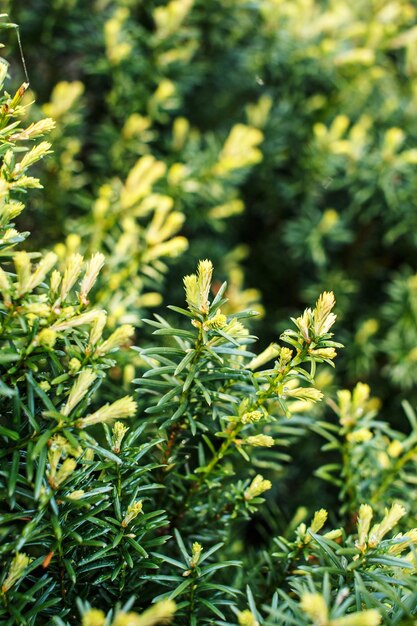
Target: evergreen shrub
column 283, row 128
column 180, row 474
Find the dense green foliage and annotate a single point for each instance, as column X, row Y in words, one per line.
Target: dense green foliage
column 230, row 493
column 317, row 175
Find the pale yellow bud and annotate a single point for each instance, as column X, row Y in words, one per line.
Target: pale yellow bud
column 191, row 291
column 264, row 441
column 323, row 353
column 197, row 287
column 169, row 18
column 117, row 339
column 16, row 570
column 119, row 431
column 250, row 417
column 55, row 282
column 78, row 320
column 97, row 327
column 323, row 319
column 160, row 613
column 303, row 323
column 164, row 91
column 88, row 455
column 93, row 268
column 403, row 541
column 369, row 617
column 63, row 98
column 228, row 209
column 4, row 283
column 393, row 139
column 364, row 522
column 360, row 395
column 271, row 352
column 133, row 511
column 285, row 357
column 394, row 449
column 171, row 248
column 125, row 407
column 12, row 209
column 23, row 270
column 146, row 171
column 319, row 520
column 66, row 469
column 180, row 131
column 72, row 270
column 150, row 299
column 333, row 534
column 73, row 242
column 79, row 389
column 247, row 618
column 258, row 486
column 218, row 321
column 93, row 617
column 391, row 519
column 314, row 606
column 196, row 551
column 135, row 126
column 36, row 129
column 74, row 365
column 204, row 273
column 235, row 329
column 76, row 495
column 34, row 155
column 359, row 436
column 41, row 270
column 258, row 112
column 46, row 337
column 240, row 149
column 305, row 393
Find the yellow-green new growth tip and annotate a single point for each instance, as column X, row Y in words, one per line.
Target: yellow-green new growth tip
column 63, row 473
column 369, row 617
column 72, row 270
column 404, row 541
column 323, row 318
column 258, row 486
column 318, row 520
column 264, row 441
column 119, row 430
column 271, row 352
column 250, row 417
column 79, row 389
column 196, row 551
column 16, row 570
column 305, row 393
column 390, row 519
column 93, row 268
column 93, row 617
column 133, row 511
column 26, row 280
column 364, row 522
column 97, row 327
column 125, row 407
column 247, row 618
column 315, row 607
column 117, row 339
column 160, row 613
column 197, row 287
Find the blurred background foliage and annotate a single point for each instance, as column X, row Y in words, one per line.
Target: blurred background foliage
column 278, row 138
